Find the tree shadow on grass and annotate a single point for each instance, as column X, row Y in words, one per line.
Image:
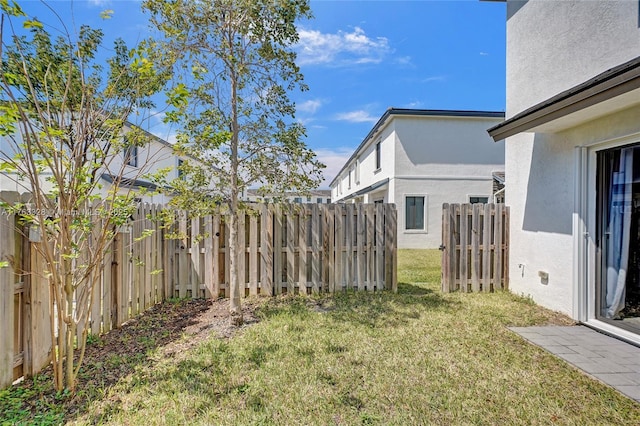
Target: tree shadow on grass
column 416, row 290
column 375, row 309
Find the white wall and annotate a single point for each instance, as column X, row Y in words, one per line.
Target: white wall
column 555, row 45
column 551, row 47
column 368, row 174
column 446, row 159
column 436, row 192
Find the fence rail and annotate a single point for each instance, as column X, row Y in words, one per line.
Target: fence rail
column 289, row 248
column 475, row 247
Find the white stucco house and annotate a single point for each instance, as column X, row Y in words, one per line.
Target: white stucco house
column 572, row 140
column 420, row 159
column 133, row 166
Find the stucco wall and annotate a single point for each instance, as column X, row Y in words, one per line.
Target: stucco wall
column 447, row 146
column 436, row 192
column 555, row 45
column 551, row 47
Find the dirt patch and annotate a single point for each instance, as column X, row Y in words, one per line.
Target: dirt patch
column 168, row 329
column 213, row 321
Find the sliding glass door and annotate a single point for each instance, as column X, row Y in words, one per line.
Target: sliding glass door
column 618, row 208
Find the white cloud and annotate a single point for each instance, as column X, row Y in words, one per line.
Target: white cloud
column 310, row 106
column 341, row 48
column 358, row 116
column 434, row 78
column 99, row 3
column 484, row 54
column 415, row 104
column 334, row 159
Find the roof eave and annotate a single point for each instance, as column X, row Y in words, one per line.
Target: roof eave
column 605, row 86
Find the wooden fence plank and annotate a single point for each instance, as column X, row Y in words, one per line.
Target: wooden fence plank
column 463, row 220
column 476, row 240
column 278, row 269
column 253, row 254
column 369, row 247
column 390, row 224
column 290, row 248
column 267, row 252
column 7, row 283
column 446, row 231
column 339, row 219
column 349, row 246
column 194, row 251
column 183, row 264
column 360, row 252
column 497, row 256
column 379, row 246
column 486, row 252
column 302, row 249
column 315, row 250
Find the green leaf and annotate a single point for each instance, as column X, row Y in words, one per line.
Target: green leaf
column 11, row 9
column 33, row 24
column 106, row 14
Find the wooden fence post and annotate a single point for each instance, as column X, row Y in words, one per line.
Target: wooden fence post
column 7, row 284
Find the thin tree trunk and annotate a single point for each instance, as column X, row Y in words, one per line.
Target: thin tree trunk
column 235, row 308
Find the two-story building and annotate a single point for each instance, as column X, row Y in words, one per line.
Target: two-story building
column 129, row 169
column 572, row 139
column 420, row 159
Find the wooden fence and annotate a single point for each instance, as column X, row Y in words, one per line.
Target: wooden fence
column 289, row 248
column 475, row 247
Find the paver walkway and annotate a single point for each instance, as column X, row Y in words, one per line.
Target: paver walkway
column 610, row 360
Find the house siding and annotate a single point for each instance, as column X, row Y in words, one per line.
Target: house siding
column 552, row 47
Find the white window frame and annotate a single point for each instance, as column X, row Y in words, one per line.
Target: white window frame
column 425, row 229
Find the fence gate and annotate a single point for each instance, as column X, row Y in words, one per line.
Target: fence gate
column 475, row 247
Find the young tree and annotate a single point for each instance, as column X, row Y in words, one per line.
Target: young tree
column 233, row 65
column 61, row 124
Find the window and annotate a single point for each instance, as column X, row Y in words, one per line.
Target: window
column 349, row 185
column 357, row 171
column 131, row 156
column 180, row 169
column 319, row 200
column 297, row 200
column 308, row 199
column 328, row 200
column 478, row 200
column 378, row 155
column 414, row 212
column 380, row 201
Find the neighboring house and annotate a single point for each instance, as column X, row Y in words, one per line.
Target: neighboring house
column 139, row 163
column 573, row 158
column 315, row 196
column 420, row 159
column 134, row 166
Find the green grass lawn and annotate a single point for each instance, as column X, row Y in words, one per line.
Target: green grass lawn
column 416, row 357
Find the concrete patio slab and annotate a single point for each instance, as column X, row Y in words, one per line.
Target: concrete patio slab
column 605, row 358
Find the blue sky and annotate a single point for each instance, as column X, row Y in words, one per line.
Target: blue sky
column 360, row 58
